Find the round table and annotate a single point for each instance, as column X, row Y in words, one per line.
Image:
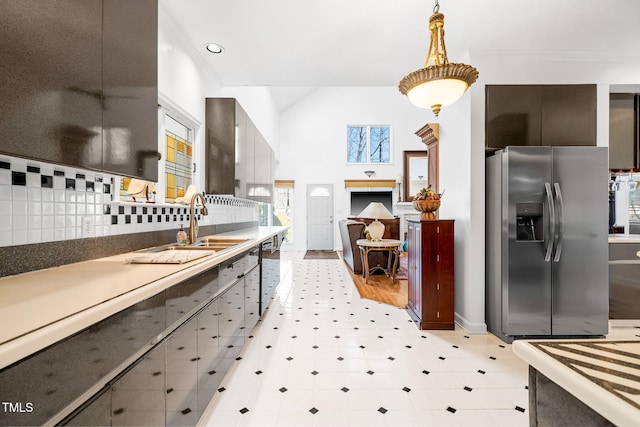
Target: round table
column 383, row 245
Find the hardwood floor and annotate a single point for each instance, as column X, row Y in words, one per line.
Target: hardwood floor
column 381, row 288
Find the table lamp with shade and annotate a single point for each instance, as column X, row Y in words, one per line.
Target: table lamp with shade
column 376, row 211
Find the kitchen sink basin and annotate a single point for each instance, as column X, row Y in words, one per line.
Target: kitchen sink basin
column 208, row 243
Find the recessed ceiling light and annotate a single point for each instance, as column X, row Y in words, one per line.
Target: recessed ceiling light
column 214, row 48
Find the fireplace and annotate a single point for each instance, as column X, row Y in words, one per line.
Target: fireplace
column 360, row 200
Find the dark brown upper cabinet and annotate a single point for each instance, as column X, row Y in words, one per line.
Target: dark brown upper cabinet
column 79, row 83
column 51, row 91
column 549, row 115
column 239, row 160
column 624, row 127
column 130, row 88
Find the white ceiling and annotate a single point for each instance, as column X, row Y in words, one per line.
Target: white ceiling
column 296, row 45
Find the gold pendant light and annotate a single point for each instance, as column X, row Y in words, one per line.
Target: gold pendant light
column 439, row 83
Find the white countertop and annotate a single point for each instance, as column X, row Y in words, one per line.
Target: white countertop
column 603, row 374
column 624, row 238
column 42, row 307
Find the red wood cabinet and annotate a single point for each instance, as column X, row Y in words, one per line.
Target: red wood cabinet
column 430, row 273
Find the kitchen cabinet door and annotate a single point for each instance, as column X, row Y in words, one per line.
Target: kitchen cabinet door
column 95, row 412
column 624, row 120
column 251, row 299
column 51, row 91
column 220, row 117
column 209, row 355
column 182, row 375
column 138, row 396
column 568, row 115
column 130, row 88
column 230, row 326
column 513, row 114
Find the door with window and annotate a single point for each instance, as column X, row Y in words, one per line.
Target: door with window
column 320, row 217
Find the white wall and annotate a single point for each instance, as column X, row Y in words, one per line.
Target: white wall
column 313, row 135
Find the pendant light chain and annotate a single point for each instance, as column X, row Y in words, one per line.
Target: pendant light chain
column 436, row 8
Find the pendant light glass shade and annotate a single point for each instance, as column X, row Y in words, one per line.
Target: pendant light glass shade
column 439, row 83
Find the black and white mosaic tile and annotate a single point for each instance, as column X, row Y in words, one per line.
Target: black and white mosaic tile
column 327, row 357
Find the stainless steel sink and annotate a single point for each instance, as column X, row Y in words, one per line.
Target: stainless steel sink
column 209, row 243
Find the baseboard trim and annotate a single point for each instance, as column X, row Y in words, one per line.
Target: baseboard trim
column 472, row 328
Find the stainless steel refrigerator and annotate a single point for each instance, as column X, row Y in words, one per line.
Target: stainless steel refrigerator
column 547, row 242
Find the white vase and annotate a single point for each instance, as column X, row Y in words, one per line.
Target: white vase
column 376, row 230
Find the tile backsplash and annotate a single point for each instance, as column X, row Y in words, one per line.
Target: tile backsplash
column 41, row 202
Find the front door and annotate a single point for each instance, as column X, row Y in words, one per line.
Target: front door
column 320, row 217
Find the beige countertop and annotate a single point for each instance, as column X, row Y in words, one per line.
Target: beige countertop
column 624, row 238
column 42, row 307
column 600, row 373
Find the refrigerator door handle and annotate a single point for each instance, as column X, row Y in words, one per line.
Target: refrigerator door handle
column 559, row 237
column 552, row 222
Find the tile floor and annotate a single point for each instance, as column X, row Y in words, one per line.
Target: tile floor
column 322, row 356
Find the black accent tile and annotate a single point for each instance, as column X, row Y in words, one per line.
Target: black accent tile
column 480, row 371
column 114, row 219
column 282, row 390
column 98, row 179
column 452, row 410
column 408, row 346
column 455, row 346
column 441, row 358
column 289, row 358
column 170, row 210
column 58, row 173
column 118, row 411
column 127, row 219
column 221, row 389
column 46, row 181
column 501, row 346
column 258, row 372
column 159, row 218
column 80, row 176
column 139, row 219
column 154, row 211
column 144, row 211
column 341, row 358
column 106, row 188
column 186, row 411
column 468, row 388
column 169, row 390
column 380, row 336
column 211, row 372
column 238, row 358
column 407, row 389
column 121, row 210
column 426, row 372
column 518, row 408
column 149, row 219
column 492, row 358
column 155, row 374
column 382, row 410
column 391, row 358
column 134, row 210
column 106, row 209
column 268, row 345
column 5, row 165
column 90, row 186
column 18, row 178
column 314, row 372
column 370, row 372
column 164, row 211
column 33, row 169
column 69, row 184
column 315, row 347
column 244, row 410
column 313, row 411
column 345, row 389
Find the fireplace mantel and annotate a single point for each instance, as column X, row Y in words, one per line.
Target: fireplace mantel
column 369, row 183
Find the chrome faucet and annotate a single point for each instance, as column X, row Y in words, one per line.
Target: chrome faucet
column 193, row 221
